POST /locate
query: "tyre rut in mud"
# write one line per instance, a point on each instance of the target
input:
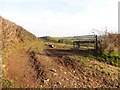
(39, 69)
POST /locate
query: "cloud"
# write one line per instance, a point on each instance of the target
(62, 17)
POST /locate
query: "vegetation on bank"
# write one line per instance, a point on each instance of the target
(110, 58)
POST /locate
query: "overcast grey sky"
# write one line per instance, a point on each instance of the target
(61, 17)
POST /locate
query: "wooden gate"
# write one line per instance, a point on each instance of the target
(77, 44)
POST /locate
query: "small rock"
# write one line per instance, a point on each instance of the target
(65, 72)
(59, 83)
(75, 86)
(66, 79)
(41, 86)
(64, 86)
(46, 81)
(60, 69)
(53, 70)
(55, 74)
(73, 71)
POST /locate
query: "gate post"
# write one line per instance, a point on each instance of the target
(96, 44)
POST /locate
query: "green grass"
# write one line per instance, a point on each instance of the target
(61, 45)
(110, 58)
(68, 46)
(6, 83)
(37, 46)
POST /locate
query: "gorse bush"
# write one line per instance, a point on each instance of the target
(7, 83)
(109, 58)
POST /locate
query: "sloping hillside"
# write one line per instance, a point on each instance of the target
(14, 33)
(30, 63)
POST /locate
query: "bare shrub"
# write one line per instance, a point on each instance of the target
(109, 42)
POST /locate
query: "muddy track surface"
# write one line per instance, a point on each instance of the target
(55, 70)
(50, 73)
(38, 68)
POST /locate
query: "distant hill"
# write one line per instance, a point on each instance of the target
(45, 37)
(12, 32)
(69, 39)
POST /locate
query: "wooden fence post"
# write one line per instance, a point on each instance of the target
(96, 44)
